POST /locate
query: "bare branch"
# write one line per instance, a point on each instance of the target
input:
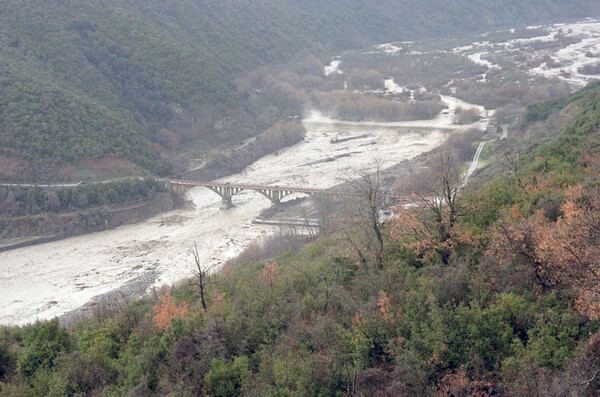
(513, 167)
(366, 215)
(587, 382)
(201, 275)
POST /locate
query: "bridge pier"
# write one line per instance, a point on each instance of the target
(178, 188)
(274, 195)
(226, 193)
(226, 203)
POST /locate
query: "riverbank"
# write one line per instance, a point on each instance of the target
(26, 231)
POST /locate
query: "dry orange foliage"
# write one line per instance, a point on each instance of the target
(270, 272)
(357, 320)
(459, 384)
(467, 238)
(166, 310)
(384, 305)
(415, 234)
(408, 228)
(562, 253)
(227, 269)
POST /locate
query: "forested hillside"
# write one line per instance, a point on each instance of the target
(114, 78)
(490, 292)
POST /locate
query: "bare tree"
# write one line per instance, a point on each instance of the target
(308, 224)
(329, 289)
(324, 208)
(366, 215)
(301, 224)
(437, 190)
(512, 165)
(202, 275)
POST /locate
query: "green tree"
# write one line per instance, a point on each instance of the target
(45, 342)
(225, 378)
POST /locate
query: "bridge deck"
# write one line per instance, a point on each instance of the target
(287, 189)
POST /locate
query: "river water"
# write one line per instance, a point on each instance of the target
(48, 280)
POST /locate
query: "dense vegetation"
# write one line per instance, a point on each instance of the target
(493, 293)
(34, 213)
(19, 201)
(277, 137)
(358, 108)
(118, 77)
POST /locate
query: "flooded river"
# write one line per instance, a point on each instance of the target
(47, 280)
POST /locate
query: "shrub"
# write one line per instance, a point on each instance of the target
(359, 108)
(467, 116)
(541, 111)
(362, 79)
(590, 69)
(166, 310)
(44, 344)
(7, 361)
(225, 378)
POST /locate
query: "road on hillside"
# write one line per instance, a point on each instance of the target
(63, 185)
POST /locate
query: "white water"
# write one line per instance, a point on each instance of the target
(47, 280)
(389, 48)
(333, 67)
(477, 58)
(568, 57)
(393, 87)
(474, 163)
(573, 56)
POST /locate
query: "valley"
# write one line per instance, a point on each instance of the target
(51, 279)
(255, 198)
(77, 269)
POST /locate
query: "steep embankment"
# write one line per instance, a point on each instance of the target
(90, 80)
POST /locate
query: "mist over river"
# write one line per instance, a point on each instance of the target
(47, 280)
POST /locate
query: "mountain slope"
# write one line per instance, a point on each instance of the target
(91, 79)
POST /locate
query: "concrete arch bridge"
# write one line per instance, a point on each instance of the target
(274, 193)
